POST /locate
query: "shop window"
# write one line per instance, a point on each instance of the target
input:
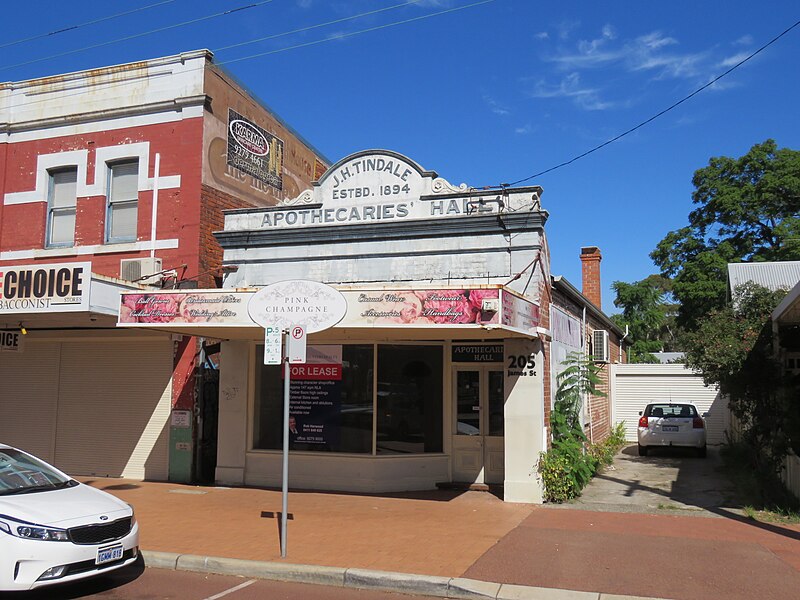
(409, 404)
(123, 201)
(330, 405)
(61, 204)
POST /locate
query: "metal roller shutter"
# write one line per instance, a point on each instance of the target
(637, 385)
(113, 412)
(29, 398)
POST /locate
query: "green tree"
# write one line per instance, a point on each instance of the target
(648, 315)
(732, 347)
(748, 209)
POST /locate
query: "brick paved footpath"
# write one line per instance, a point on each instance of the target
(476, 535)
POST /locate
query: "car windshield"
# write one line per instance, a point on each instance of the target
(687, 411)
(21, 473)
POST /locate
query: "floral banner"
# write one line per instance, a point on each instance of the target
(420, 307)
(196, 308)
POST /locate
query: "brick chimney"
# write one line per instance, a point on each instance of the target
(590, 267)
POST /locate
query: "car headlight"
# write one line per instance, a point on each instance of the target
(30, 531)
(133, 515)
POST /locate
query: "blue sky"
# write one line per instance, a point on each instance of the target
(486, 94)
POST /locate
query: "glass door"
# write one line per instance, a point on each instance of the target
(479, 425)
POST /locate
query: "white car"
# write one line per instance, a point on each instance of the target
(672, 424)
(54, 529)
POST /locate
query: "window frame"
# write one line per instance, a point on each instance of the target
(110, 203)
(53, 210)
(255, 362)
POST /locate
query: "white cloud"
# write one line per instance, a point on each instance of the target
(525, 129)
(495, 106)
(570, 86)
(565, 29)
(734, 60)
(542, 35)
(745, 40)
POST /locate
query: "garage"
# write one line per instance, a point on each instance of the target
(95, 405)
(635, 385)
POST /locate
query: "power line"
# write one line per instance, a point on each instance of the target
(654, 117)
(86, 24)
(138, 35)
(317, 26)
(354, 33)
(338, 37)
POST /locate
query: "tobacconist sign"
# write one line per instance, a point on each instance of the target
(253, 150)
(45, 288)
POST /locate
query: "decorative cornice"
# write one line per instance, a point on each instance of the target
(494, 224)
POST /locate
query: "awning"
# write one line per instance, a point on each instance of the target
(374, 312)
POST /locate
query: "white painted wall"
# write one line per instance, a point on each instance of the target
(524, 425)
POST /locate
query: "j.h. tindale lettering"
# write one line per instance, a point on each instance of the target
(366, 165)
(63, 282)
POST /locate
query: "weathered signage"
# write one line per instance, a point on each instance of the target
(519, 313)
(254, 150)
(45, 288)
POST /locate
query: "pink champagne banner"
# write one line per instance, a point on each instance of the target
(420, 307)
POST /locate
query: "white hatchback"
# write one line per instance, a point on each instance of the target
(671, 424)
(54, 529)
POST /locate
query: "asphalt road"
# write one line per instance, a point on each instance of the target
(136, 582)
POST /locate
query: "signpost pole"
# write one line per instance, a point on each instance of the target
(285, 488)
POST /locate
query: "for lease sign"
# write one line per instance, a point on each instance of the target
(45, 288)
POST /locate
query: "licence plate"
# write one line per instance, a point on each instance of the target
(669, 428)
(111, 554)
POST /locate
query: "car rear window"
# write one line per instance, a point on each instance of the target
(670, 410)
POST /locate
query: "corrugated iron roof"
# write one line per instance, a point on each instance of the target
(771, 275)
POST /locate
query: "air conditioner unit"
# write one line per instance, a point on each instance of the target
(600, 345)
(146, 271)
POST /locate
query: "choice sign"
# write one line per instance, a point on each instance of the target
(313, 305)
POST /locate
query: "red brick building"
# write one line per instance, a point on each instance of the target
(123, 171)
(578, 324)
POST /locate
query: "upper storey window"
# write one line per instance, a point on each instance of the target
(61, 202)
(123, 202)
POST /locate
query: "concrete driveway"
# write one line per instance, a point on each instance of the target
(668, 479)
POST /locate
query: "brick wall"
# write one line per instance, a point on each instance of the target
(212, 203)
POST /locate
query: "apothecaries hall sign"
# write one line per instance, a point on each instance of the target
(376, 186)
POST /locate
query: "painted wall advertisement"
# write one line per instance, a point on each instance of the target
(315, 399)
(254, 150)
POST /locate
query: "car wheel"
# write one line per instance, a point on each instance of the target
(642, 450)
(701, 452)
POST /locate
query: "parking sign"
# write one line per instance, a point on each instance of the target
(272, 346)
(297, 344)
